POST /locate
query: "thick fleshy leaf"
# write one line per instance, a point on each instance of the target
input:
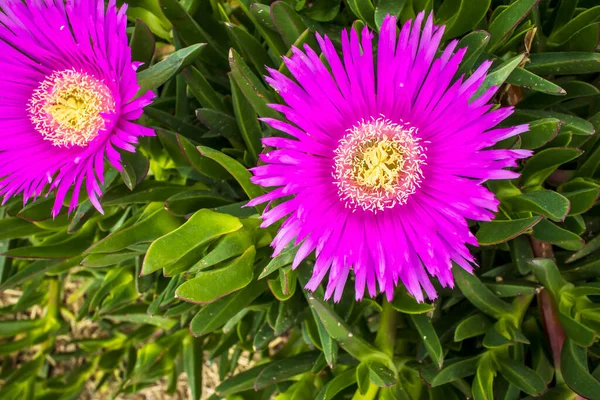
(472, 326)
(236, 170)
(214, 315)
(337, 384)
(500, 231)
(429, 337)
(209, 286)
(184, 242)
(475, 42)
(502, 26)
(564, 63)
(542, 164)
(575, 371)
(544, 202)
(339, 330)
(481, 297)
(282, 370)
(158, 74)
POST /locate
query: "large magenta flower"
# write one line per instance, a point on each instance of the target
(68, 88)
(384, 159)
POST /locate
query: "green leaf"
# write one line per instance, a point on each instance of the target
(223, 124)
(482, 297)
(590, 247)
(156, 223)
(570, 123)
(562, 35)
(191, 33)
(385, 7)
(574, 89)
(186, 203)
(483, 384)
(498, 75)
(230, 245)
(247, 122)
(164, 323)
(107, 259)
(576, 331)
(147, 191)
(14, 328)
(475, 42)
(584, 40)
(287, 22)
(64, 246)
(363, 378)
(253, 89)
(466, 18)
(502, 26)
(454, 369)
(544, 202)
(281, 260)
(356, 346)
(302, 389)
(158, 74)
(202, 228)
(475, 325)
(241, 174)
(337, 384)
(513, 288)
(500, 231)
(407, 304)
(575, 371)
(216, 314)
(381, 375)
(546, 231)
(135, 168)
(282, 370)
(142, 44)
(523, 78)
(202, 90)
(250, 47)
(203, 165)
(564, 63)
(429, 337)
(582, 200)
(260, 16)
(12, 228)
(192, 364)
(540, 132)
(539, 167)
(209, 286)
(364, 10)
(521, 376)
(241, 382)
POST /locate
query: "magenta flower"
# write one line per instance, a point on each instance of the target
(384, 160)
(68, 88)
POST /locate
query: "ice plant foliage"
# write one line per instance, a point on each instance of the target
(68, 97)
(383, 159)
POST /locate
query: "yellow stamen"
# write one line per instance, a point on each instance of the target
(67, 108)
(378, 165)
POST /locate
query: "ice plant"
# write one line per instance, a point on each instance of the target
(383, 159)
(68, 97)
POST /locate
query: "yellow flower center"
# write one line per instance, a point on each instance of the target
(67, 108)
(377, 165)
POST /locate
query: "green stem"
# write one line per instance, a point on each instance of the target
(370, 395)
(386, 335)
(52, 309)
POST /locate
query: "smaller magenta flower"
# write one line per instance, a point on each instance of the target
(383, 160)
(68, 101)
